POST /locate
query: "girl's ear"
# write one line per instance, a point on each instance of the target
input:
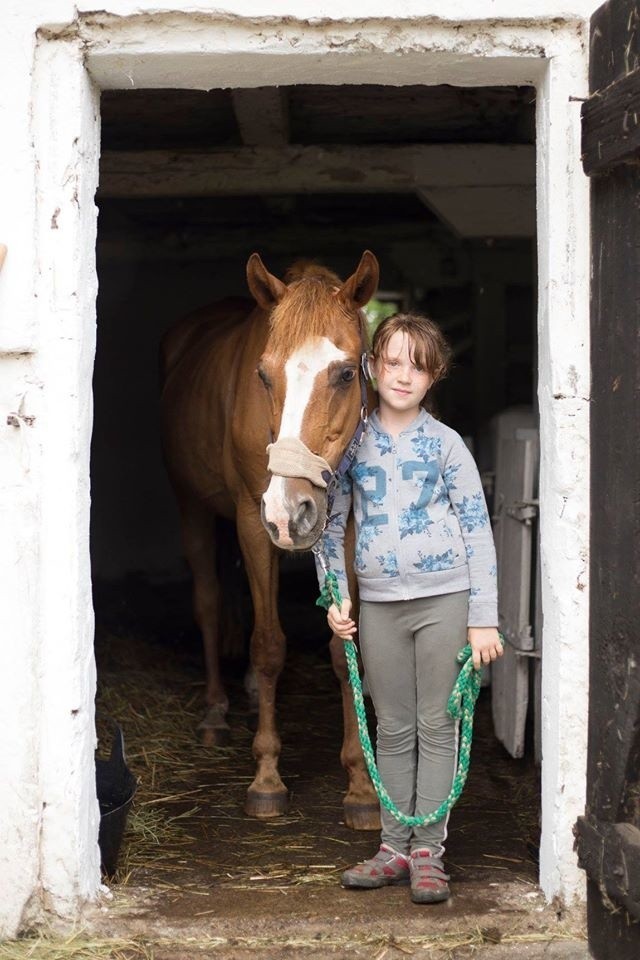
(373, 364)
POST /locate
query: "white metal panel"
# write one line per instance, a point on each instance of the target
(514, 510)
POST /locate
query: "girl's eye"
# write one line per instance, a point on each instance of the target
(347, 375)
(391, 363)
(418, 368)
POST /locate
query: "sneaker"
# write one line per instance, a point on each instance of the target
(386, 868)
(428, 879)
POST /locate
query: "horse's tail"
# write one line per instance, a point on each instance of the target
(302, 269)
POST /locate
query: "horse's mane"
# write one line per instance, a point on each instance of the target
(308, 307)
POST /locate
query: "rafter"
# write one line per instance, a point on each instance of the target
(262, 116)
(311, 169)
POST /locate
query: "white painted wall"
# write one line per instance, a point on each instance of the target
(48, 172)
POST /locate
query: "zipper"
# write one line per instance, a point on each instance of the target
(396, 523)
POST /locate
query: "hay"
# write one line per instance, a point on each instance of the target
(187, 828)
(188, 793)
(81, 947)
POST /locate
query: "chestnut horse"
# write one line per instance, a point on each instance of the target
(284, 374)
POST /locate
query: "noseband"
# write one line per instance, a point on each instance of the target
(290, 457)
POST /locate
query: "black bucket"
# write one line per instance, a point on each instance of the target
(116, 787)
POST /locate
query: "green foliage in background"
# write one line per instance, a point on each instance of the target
(376, 311)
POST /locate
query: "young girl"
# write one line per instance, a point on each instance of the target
(426, 568)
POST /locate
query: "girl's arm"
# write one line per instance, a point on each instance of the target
(332, 539)
(333, 546)
(463, 484)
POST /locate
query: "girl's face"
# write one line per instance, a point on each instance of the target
(402, 384)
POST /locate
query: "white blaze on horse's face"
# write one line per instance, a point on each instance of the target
(301, 370)
(285, 503)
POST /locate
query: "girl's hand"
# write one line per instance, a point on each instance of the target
(340, 621)
(485, 645)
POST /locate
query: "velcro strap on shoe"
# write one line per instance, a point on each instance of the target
(430, 871)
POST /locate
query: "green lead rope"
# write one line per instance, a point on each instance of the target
(460, 706)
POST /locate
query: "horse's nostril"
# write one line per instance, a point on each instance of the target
(271, 527)
(273, 530)
(305, 516)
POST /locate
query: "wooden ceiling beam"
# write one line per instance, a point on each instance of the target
(262, 115)
(311, 169)
(219, 241)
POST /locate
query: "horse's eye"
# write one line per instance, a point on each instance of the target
(264, 376)
(347, 375)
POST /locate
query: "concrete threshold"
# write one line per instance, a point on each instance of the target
(492, 921)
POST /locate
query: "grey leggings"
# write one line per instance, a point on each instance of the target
(409, 652)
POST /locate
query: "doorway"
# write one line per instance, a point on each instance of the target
(562, 207)
(160, 256)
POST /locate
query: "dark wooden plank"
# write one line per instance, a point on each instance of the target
(611, 124)
(612, 931)
(613, 767)
(615, 488)
(378, 113)
(610, 853)
(615, 42)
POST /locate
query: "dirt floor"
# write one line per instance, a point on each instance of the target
(197, 877)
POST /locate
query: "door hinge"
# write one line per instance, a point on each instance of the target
(524, 510)
(522, 643)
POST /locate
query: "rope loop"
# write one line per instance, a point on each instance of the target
(460, 706)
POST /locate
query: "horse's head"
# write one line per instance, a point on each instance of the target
(310, 372)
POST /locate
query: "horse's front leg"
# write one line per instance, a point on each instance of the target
(360, 803)
(267, 795)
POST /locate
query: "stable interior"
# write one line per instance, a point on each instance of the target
(459, 246)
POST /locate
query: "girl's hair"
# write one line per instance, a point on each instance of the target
(427, 345)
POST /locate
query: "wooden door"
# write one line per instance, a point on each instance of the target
(608, 836)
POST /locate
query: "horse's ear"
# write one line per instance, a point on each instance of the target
(362, 285)
(266, 289)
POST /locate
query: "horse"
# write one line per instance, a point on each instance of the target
(283, 374)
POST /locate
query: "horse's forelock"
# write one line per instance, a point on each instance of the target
(310, 308)
(311, 268)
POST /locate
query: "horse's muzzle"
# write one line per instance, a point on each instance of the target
(293, 512)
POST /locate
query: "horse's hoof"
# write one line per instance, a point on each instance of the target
(214, 736)
(361, 816)
(264, 806)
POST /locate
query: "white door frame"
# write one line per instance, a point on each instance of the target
(54, 863)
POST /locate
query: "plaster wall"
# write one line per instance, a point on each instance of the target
(48, 174)
(563, 393)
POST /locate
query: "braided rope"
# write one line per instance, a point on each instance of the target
(460, 706)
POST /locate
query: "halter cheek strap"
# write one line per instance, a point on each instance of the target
(349, 455)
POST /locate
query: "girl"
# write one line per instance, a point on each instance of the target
(426, 568)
